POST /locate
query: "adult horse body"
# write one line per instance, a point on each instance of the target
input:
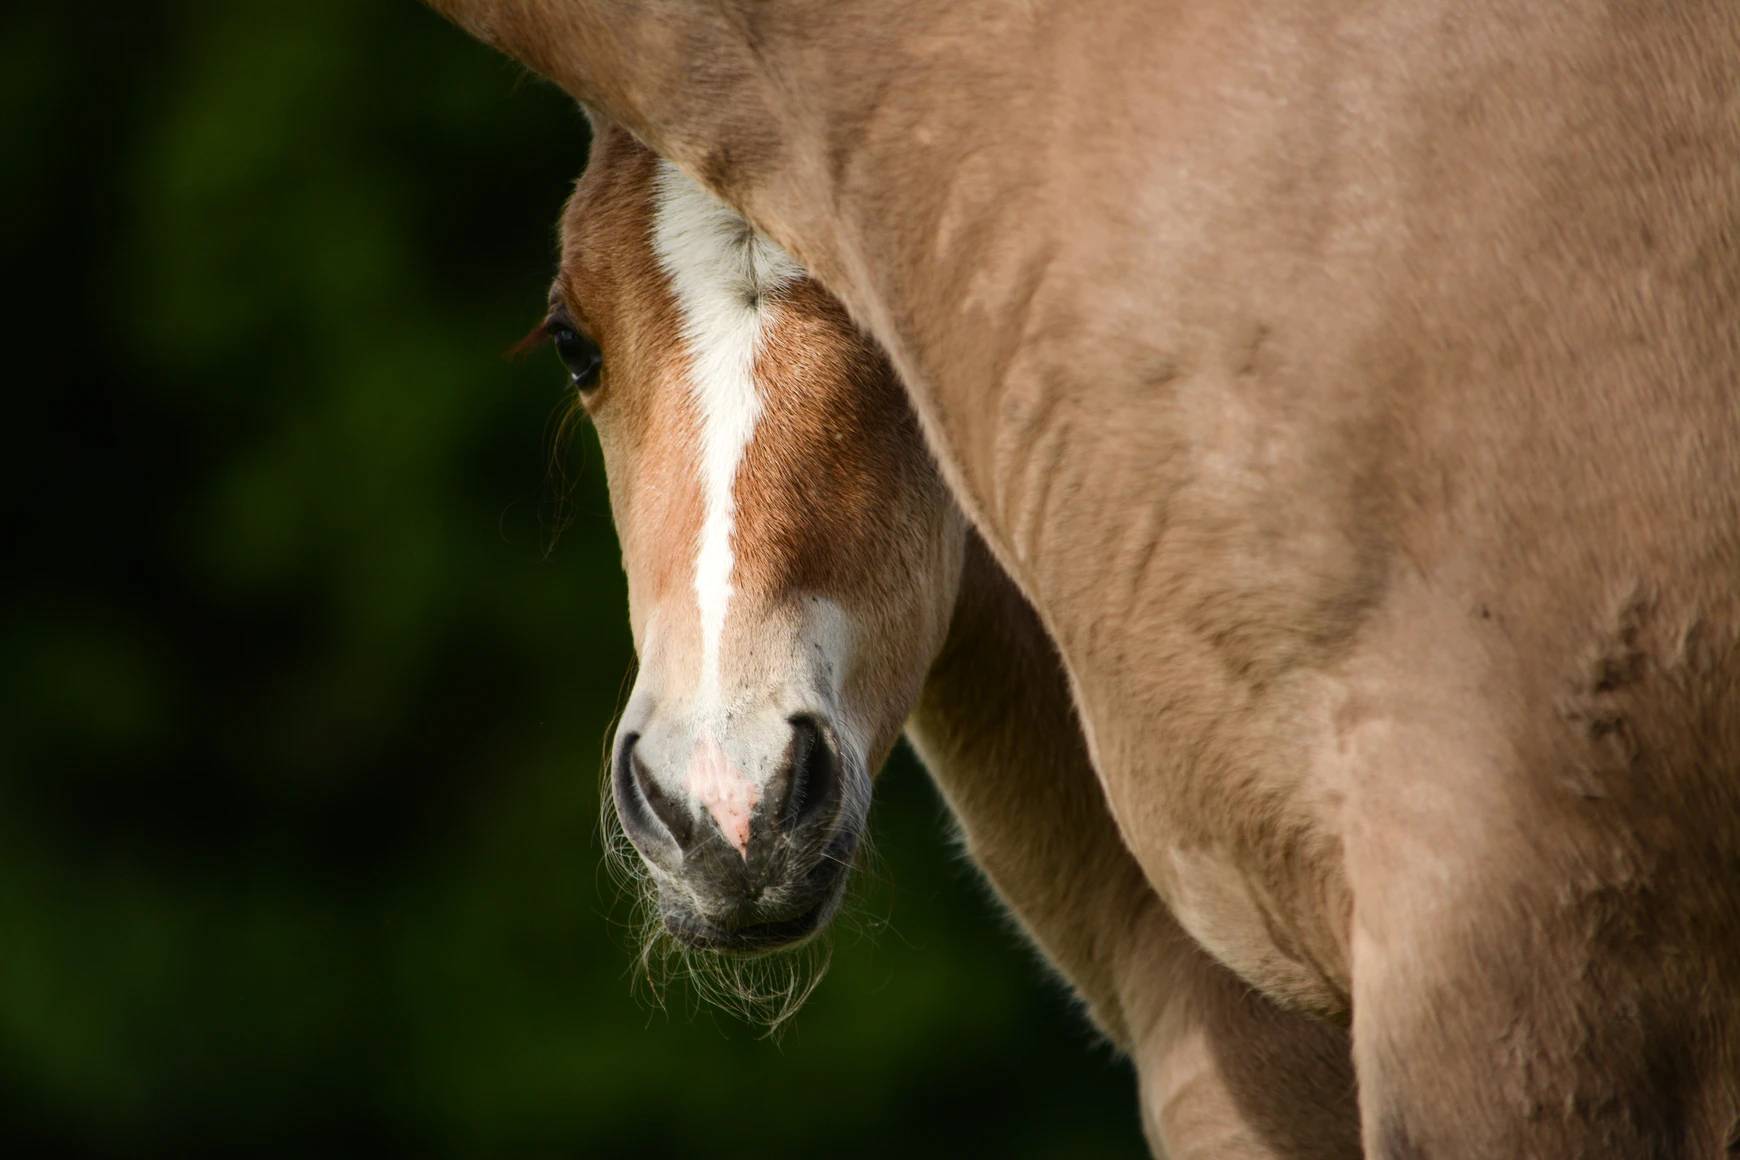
(835, 504)
(1352, 389)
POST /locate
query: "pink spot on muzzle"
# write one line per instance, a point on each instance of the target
(721, 787)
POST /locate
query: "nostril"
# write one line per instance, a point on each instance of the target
(675, 818)
(643, 806)
(813, 772)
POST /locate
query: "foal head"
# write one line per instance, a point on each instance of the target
(792, 555)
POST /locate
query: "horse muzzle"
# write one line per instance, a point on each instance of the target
(742, 865)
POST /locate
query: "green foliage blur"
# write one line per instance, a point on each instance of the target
(304, 702)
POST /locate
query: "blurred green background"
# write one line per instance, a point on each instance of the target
(303, 715)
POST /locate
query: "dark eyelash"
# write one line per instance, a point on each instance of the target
(538, 336)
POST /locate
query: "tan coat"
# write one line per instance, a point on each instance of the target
(1352, 390)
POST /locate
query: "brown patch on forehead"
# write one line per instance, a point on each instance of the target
(608, 275)
(611, 283)
(837, 479)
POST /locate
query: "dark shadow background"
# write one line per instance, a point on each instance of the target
(302, 720)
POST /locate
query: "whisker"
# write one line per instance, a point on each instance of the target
(765, 991)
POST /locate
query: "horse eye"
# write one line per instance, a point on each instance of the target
(580, 355)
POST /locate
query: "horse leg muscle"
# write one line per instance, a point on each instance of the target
(1225, 1072)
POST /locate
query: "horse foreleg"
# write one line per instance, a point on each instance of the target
(1223, 1071)
(1545, 987)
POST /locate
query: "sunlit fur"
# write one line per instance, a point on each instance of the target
(1351, 387)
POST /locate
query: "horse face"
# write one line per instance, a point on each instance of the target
(792, 555)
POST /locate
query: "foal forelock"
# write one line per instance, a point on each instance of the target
(724, 277)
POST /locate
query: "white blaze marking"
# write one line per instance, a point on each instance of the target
(721, 272)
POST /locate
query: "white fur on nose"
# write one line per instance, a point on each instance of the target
(720, 786)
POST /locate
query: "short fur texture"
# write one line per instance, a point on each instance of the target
(1352, 389)
(1223, 1071)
